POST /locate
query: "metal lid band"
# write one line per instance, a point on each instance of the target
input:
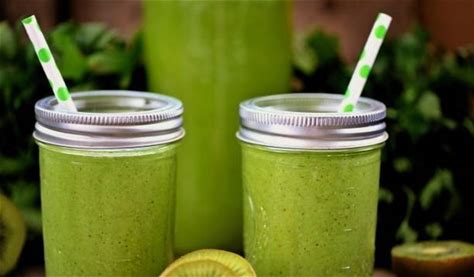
(311, 121)
(110, 119)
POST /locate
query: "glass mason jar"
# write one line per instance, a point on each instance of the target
(212, 55)
(108, 182)
(311, 178)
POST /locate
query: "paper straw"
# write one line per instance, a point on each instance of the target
(365, 63)
(49, 65)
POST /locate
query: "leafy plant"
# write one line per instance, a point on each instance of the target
(427, 167)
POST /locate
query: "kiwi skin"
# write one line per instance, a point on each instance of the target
(12, 234)
(410, 260)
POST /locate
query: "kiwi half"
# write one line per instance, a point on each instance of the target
(12, 234)
(210, 261)
(434, 258)
(203, 268)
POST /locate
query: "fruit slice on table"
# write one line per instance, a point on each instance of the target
(210, 262)
(200, 268)
(12, 234)
(434, 258)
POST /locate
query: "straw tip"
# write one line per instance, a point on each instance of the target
(384, 16)
(28, 20)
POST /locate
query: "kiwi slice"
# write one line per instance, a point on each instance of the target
(12, 234)
(434, 258)
(202, 268)
(237, 265)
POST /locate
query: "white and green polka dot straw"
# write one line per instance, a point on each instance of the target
(49, 65)
(365, 63)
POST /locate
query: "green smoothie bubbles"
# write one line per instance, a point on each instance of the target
(310, 177)
(108, 182)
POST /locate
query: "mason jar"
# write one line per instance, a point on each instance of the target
(108, 182)
(311, 178)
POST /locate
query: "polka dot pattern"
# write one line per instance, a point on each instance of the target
(380, 31)
(27, 20)
(63, 94)
(348, 108)
(47, 62)
(365, 63)
(44, 55)
(364, 71)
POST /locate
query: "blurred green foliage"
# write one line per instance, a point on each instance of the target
(89, 57)
(428, 162)
(427, 168)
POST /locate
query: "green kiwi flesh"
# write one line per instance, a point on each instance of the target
(434, 258)
(237, 264)
(201, 268)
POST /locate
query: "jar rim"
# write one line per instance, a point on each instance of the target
(311, 121)
(109, 119)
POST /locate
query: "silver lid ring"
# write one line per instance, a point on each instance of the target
(110, 119)
(311, 121)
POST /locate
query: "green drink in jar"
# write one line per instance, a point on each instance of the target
(311, 178)
(108, 182)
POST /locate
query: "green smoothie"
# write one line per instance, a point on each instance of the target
(310, 213)
(108, 186)
(107, 213)
(311, 178)
(212, 55)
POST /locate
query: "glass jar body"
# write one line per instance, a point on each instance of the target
(107, 212)
(310, 212)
